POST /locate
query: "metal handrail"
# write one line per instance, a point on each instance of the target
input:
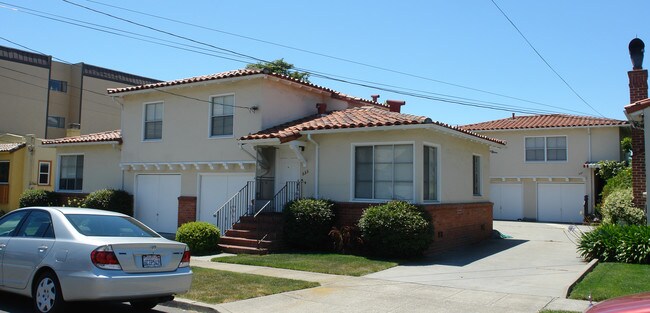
(291, 190)
(241, 204)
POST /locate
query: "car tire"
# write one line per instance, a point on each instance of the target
(47, 294)
(144, 305)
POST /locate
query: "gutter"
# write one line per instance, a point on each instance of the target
(316, 165)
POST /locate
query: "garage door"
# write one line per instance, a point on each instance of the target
(156, 201)
(560, 202)
(216, 189)
(508, 201)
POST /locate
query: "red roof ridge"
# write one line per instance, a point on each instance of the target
(11, 147)
(543, 121)
(105, 136)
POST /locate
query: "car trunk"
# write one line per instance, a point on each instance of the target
(149, 257)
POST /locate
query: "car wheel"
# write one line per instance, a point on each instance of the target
(47, 295)
(144, 305)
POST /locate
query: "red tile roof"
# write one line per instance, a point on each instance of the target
(362, 117)
(107, 136)
(543, 121)
(11, 147)
(637, 106)
(239, 73)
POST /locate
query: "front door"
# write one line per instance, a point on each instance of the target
(288, 169)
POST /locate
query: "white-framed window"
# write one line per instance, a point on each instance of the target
(430, 168)
(222, 115)
(542, 149)
(153, 121)
(71, 170)
(4, 172)
(476, 173)
(44, 173)
(383, 172)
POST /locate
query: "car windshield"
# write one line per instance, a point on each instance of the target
(109, 226)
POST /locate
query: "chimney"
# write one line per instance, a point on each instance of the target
(374, 98)
(322, 107)
(513, 115)
(638, 76)
(395, 105)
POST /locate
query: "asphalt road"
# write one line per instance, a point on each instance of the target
(10, 303)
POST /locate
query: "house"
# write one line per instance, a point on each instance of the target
(24, 164)
(547, 172)
(217, 147)
(636, 111)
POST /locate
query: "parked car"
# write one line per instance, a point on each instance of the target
(55, 255)
(636, 303)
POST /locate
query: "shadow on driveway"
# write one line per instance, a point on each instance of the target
(468, 254)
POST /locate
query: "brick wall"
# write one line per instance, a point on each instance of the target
(638, 91)
(186, 209)
(455, 224)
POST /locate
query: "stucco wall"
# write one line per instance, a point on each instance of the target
(99, 112)
(16, 164)
(23, 99)
(101, 166)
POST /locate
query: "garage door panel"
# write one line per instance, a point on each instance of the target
(508, 201)
(560, 202)
(157, 201)
(215, 190)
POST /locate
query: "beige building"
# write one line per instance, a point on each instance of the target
(50, 99)
(547, 171)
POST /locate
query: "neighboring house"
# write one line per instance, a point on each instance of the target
(50, 99)
(548, 168)
(636, 112)
(24, 164)
(213, 148)
(87, 162)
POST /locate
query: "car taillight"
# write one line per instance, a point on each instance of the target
(185, 261)
(104, 258)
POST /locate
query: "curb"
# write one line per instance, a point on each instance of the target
(186, 304)
(590, 267)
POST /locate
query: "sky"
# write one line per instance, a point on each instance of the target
(448, 60)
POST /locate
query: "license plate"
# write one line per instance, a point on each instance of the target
(151, 261)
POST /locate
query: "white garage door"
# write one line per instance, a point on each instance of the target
(508, 201)
(560, 202)
(216, 189)
(156, 201)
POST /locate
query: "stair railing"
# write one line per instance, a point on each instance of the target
(291, 190)
(241, 204)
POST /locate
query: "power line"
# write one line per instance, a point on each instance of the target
(543, 59)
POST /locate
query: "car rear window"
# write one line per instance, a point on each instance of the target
(109, 226)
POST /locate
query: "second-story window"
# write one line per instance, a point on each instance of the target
(541, 149)
(222, 115)
(59, 85)
(153, 121)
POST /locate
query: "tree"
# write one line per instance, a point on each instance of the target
(280, 66)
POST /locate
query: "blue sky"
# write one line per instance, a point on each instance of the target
(439, 45)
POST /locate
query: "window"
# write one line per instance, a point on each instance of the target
(430, 168)
(221, 115)
(59, 85)
(383, 172)
(4, 172)
(71, 172)
(476, 170)
(10, 222)
(153, 121)
(44, 173)
(56, 121)
(37, 225)
(541, 149)
(108, 226)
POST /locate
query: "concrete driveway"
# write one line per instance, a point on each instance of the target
(539, 260)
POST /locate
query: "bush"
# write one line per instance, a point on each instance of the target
(110, 200)
(37, 197)
(307, 223)
(396, 228)
(201, 237)
(74, 202)
(619, 209)
(616, 243)
(622, 180)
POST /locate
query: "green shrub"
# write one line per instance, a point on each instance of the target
(307, 223)
(110, 200)
(396, 228)
(617, 243)
(74, 202)
(37, 197)
(619, 209)
(201, 237)
(621, 180)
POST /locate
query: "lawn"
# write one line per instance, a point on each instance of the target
(328, 263)
(213, 286)
(610, 280)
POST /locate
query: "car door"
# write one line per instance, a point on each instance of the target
(27, 248)
(8, 226)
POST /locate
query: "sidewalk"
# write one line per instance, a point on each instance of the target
(361, 294)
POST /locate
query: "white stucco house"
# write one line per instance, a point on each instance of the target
(548, 168)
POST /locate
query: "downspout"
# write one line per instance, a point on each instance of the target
(316, 165)
(592, 173)
(121, 131)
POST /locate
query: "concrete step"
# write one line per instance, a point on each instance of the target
(245, 242)
(252, 234)
(242, 250)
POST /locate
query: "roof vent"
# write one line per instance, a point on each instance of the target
(374, 98)
(322, 108)
(395, 105)
(637, 48)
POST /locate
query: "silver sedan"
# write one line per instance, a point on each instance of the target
(56, 255)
